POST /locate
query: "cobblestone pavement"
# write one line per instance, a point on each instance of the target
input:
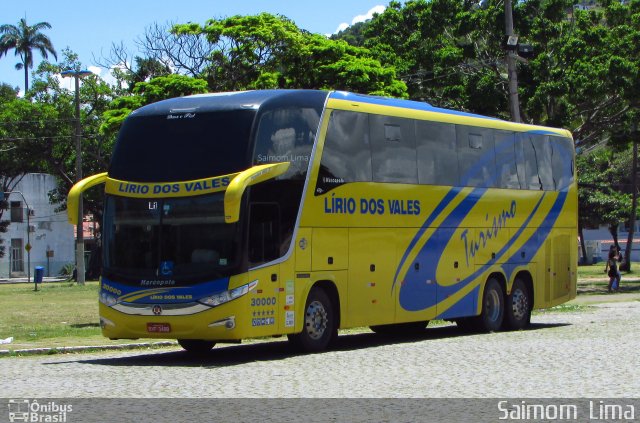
(592, 353)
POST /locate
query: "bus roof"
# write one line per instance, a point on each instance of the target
(394, 102)
(254, 100)
(416, 109)
(238, 100)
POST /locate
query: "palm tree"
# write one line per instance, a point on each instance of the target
(24, 39)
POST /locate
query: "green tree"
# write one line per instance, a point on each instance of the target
(24, 39)
(320, 63)
(269, 51)
(448, 52)
(37, 131)
(603, 198)
(144, 93)
(25, 129)
(352, 34)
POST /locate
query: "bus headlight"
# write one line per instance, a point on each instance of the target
(226, 296)
(108, 300)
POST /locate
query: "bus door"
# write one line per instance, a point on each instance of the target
(266, 245)
(558, 260)
(419, 279)
(457, 265)
(372, 263)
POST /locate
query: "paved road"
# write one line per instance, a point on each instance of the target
(586, 354)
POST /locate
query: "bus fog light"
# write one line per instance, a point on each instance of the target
(229, 323)
(106, 322)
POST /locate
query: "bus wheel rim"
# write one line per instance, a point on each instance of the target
(493, 305)
(316, 320)
(519, 304)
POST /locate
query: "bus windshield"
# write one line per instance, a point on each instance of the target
(180, 239)
(156, 148)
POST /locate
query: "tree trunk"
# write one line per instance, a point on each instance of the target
(626, 266)
(585, 259)
(613, 230)
(26, 78)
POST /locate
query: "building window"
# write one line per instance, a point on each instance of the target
(16, 212)
(17, 258)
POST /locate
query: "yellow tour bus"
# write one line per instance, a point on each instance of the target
(298, 212)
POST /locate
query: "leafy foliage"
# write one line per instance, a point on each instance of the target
(270, 51)
(24, 39)
(603, 177)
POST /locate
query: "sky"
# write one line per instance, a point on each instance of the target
(89, 28)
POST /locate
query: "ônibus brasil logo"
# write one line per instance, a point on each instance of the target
(23, 410)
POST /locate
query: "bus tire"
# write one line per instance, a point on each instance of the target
(196, 346)
(410, 328)
(320, 323)
(518, 307)
(492, 314)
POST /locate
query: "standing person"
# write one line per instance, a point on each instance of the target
(611, 269)
(618, 256)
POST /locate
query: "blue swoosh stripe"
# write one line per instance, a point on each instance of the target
(412, 293)
(434, 214)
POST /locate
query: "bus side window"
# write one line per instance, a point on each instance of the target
(346, 156)
(533, 181)
(562, 161)
(393, 149)
(476, 156)
(436, 151)
(264, 232)
(520, 161)
(545, 169)
(506, 160)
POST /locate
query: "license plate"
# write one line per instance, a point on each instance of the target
(158, 327)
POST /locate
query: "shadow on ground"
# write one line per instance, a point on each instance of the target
(601, 288)
(264, 351)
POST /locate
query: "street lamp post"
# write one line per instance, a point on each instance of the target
(77, 75)
(512, 45)
(28, 246)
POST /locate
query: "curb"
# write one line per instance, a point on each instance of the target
(87, 348)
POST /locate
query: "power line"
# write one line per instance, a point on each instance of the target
(87, 136)
(454, 70)
(34, 138)
(13, 122)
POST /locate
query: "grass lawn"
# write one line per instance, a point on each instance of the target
(596, 271)
(593, 280)
(58, 314)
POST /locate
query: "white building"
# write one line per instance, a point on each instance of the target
(37, 224)
(598, 241)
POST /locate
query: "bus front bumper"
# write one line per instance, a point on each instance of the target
(216, 324)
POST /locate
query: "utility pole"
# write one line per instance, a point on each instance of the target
(626, 265)
(80, 271)
(512, 46)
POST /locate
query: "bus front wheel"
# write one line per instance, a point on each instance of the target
(320, 325)
(518, 307)
(196, 346)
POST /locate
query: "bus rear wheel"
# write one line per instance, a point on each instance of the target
(320, 323)
(518, 307)
(410, 328)
(492, 314)
(196, 346)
